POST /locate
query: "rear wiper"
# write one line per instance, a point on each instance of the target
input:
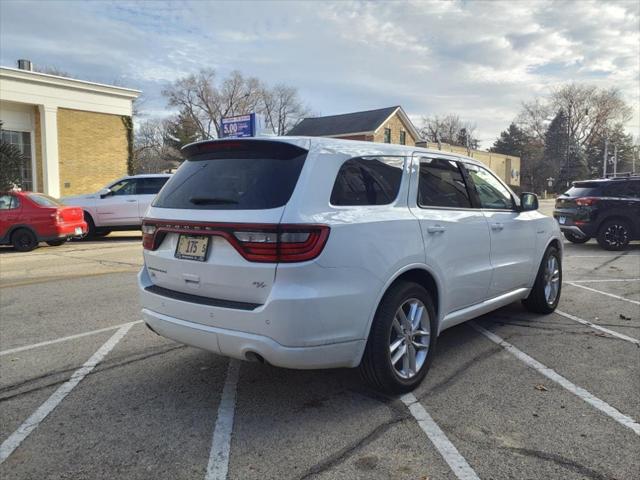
(212, 201)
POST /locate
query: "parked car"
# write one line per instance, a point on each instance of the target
(319, 253)
(27, 218)
(120, 205)
(607, 209)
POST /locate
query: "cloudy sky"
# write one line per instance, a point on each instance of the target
(478, 59)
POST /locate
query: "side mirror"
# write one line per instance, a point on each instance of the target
(105, 192)
(528, 202)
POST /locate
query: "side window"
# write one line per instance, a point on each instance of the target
(403, 137)
(441, 184)
(150, 185)
(491, 192)
(622, 189)
(8, 202)
(124, 187)
(368, 181)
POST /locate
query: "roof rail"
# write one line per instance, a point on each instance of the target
(622, 175)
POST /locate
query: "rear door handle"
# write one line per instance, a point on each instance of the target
(497, 226)
(132, 200)
(436, 229)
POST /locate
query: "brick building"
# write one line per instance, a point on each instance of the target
(75, 135)
(384, 125)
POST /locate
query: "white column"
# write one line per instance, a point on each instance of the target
(49, 129)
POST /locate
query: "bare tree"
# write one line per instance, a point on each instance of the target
(449, 129)
(590, 111)
(206, 103)
(282, 108)
(152, 153)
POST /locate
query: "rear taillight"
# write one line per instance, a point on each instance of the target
(57, 216)
(265, 243)
(586, 201)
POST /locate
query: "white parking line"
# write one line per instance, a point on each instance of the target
(562, 381)
(218, 465)
(447, 450)
(605, 280)
(31, 423)
(64, 339)
(598, 327)
(604, 293)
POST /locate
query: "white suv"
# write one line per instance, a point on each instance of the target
(121, 205)
(316, 253)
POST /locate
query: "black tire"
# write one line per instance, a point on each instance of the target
(91, 227)
(376, 366)
(57, 243)
(614, 234)
(537, 300)
(24, 240)
(573, 238)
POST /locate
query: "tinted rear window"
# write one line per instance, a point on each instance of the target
(368, 181)
(441, 184)
(44, 200)
(234, 175)
(580, 191)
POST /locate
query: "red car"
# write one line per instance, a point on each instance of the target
(27, 218)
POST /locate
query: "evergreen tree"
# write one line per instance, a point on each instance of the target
(511, 141)
(556, 150)
(180, 131)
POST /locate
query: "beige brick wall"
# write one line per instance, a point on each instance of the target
(92, 150)
(396, 125)
(37, 140)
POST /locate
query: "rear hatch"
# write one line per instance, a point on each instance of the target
(210, 232)
(567, 201)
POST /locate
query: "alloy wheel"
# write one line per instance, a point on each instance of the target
(551, 280)
(409, 338)
(616, 235)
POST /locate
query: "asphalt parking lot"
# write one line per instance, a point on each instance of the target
(87, 392)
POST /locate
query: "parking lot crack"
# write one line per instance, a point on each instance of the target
(342, 455)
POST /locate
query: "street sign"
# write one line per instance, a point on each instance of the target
(239, 126)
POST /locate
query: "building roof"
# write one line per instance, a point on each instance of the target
(350, 123)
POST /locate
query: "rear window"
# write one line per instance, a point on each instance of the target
(44, 200)
(583, 191)
(234, 175)
(441, 184)
(368, 181)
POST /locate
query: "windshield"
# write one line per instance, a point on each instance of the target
(247, 175)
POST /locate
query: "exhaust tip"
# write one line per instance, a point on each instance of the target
(254, 357)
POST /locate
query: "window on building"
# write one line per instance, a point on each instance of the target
(441, 184)
(387, 135)
(491, 192)
(22, 140)
(368, 181)
(403, 137)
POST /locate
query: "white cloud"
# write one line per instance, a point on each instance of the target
(477, 59)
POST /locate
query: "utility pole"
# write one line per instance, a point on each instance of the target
(606, 154)
(615, 160)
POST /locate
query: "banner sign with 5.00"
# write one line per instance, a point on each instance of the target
(240, 126)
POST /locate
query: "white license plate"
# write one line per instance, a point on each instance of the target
(78, 231)
(192, 247)
(562, 220)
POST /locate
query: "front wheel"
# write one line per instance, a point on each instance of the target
(545, 294)
(614, 235)
(402, 340)
(573, 238)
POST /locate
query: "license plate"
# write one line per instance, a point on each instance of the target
(192, 247)
(78, 231)
(562, 220)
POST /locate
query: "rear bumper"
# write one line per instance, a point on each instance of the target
(323, 324)
(67, 230)
(242, 345)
